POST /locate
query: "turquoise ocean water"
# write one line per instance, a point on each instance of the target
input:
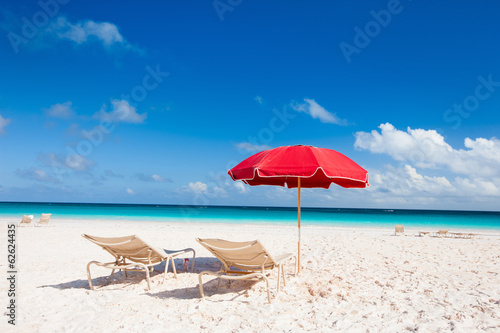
(265, 215)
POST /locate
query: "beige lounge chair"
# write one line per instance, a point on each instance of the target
(44, 220)
(250, 259)
(25, 221)
(442, 233)
(133, 254)
(399, 228)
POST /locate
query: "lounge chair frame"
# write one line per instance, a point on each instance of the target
(441, 233)
(447, 234)
(25, 221)
(44, 220)
(133, 254)
(399, 228)
(465, 235)
(251, 258)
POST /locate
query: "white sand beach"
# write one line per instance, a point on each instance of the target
(352, 280)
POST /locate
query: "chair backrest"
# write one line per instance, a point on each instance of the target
(26, 219)
(129, 247)
(44, 219)
(250, 255)
(400, 228)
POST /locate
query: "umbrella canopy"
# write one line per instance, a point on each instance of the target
(300, 166)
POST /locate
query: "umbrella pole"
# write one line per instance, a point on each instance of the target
(298, 214)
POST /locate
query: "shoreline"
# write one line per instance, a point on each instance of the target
(409, 229)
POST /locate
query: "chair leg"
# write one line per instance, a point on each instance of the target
(218, 285)
(222, 268)
(202, 295)
(111, 276)
(192, 264)
(263, 276)
(88, 275)
(267, 287)
(230, 278)
(173, 267)
(283, 275)
(166, 270)
(148, 278)
(147, 275)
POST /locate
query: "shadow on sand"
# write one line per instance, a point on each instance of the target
(122, 282)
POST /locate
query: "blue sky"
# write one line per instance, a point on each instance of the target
(152, 102)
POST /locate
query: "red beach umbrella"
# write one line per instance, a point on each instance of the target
(300, 166)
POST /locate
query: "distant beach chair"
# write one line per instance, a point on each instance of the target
(442, 233)
(133, 254)
(250, 259)
(399, 229)
(465, 235)
(44, 220)
(423, 233)
(25, 221)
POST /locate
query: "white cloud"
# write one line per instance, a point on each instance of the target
(318, 112)
(3, 123)
(478, 187)
(122, 112)
(158, 178)
(217, 192)
(152, 178)
(259, 99)
(88, 30)
(406, 181)
(241, 187)
(211, 190)
(38, 175)
(428, 149)
(250, 148)
(78, 162)
(130, 191)
(61, 110)
(469, 177)
(60, 161)
(198, 187)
